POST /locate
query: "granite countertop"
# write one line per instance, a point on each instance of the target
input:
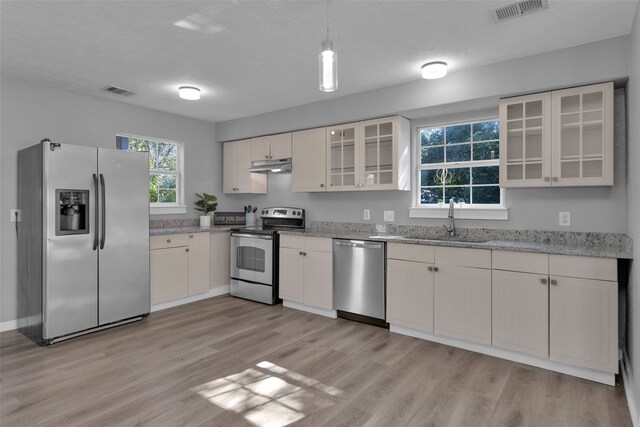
(159, 231)
(582, 244)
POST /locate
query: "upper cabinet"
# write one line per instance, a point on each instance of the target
(308, 157)
(271, 147)
(559, 138)
(236, 177)
(369, 155)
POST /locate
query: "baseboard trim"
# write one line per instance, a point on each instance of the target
(221, 290)
(629, 389)
(309, 309)
(586, 373)
(9, 325)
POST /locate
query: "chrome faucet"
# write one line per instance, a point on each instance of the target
(452, 225)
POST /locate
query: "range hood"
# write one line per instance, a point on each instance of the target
(272, 165)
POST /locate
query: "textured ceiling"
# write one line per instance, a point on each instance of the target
(251, 57)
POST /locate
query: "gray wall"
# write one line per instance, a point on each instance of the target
(461, 96)
(633, 208)
(30, 113)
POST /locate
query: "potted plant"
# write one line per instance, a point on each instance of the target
(206, 203)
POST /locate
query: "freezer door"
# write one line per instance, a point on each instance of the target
(124, 235)
(70, 294)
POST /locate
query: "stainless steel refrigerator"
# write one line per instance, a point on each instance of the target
(83, 239)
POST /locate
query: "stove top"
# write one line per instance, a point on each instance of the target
(276, 219)
(262, 230)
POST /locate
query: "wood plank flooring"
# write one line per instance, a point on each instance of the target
(230, 362)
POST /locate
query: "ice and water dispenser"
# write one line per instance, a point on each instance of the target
(72, 216)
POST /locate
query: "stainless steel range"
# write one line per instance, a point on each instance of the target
(254, 254)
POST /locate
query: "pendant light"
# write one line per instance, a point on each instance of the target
(328, 60)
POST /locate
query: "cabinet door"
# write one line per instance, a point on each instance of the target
(219, 246)
(291, 275)
(521, 312)
(462, 301)
(410, 294)
(308, 156)
(377, 153)
(525, 141)
(198, 263)
(583, 322)
(228, 168)
(247, 182)
(583, 135)
(169, 274)
(259, 148)
(280, 146)
(342, 157)
(318, 279)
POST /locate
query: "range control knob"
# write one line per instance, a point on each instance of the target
(263, 212)
(299, 213)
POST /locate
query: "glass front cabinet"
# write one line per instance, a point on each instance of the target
(559, 138)
(369, 155)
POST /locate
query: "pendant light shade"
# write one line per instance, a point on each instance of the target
(328, 67)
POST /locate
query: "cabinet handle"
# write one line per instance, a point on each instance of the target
(186, 250)
(547, 179)
(429, 268)
(554, 282)
(555, 179)
(543, 281)
(266, 156)
(168, 240)
(435, 269)
(321, 185)
(191, 236)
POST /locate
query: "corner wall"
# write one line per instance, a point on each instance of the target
(32, 112)
(633, 222)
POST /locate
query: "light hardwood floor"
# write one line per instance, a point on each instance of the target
(230, 362)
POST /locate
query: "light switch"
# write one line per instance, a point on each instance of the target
(389, 216)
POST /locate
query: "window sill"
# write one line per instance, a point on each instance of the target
(167, 210)
(490, 213)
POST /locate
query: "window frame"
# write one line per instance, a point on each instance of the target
(463, 211)
(159, 208)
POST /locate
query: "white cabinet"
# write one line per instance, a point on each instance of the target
(369, 155)
(308, 157)
(236, 177)
(271, 147)
(306, 271)
(219, 246)
(583, 312)
(410, 286)
(559, 138)
(179, 266)
(520, 293)
(462, 294)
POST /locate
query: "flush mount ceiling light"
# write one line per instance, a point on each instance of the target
(328, 62)
(434, 70)
(189, 92)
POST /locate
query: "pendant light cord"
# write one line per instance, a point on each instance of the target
(327, 19)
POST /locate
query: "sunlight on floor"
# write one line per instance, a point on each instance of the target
(269, 395)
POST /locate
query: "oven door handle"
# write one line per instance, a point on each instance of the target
(252, 236)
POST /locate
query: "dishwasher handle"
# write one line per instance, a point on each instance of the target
(358, 244)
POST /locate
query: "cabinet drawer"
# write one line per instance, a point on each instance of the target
(407, 252)
(584, 267)
(479, 258)
(320, 244)
(168, 241)
(295, 242)
(521, 261)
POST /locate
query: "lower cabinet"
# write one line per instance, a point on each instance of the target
(179, 266)
(306, 271)
(410, 294)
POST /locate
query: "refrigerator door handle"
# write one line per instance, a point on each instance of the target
(95, 234)
(104, 212)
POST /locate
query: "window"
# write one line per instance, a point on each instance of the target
(460, 162)
(165, 171)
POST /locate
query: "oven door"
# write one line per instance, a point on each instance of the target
(252, 257)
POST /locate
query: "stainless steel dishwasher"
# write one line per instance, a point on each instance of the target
(359, 280)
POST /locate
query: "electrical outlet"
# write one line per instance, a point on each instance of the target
(367, 214)
(16, 215)
(389, 216)
(565, 219)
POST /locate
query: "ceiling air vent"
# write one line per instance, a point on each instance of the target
(519, 9)
(119, 91)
